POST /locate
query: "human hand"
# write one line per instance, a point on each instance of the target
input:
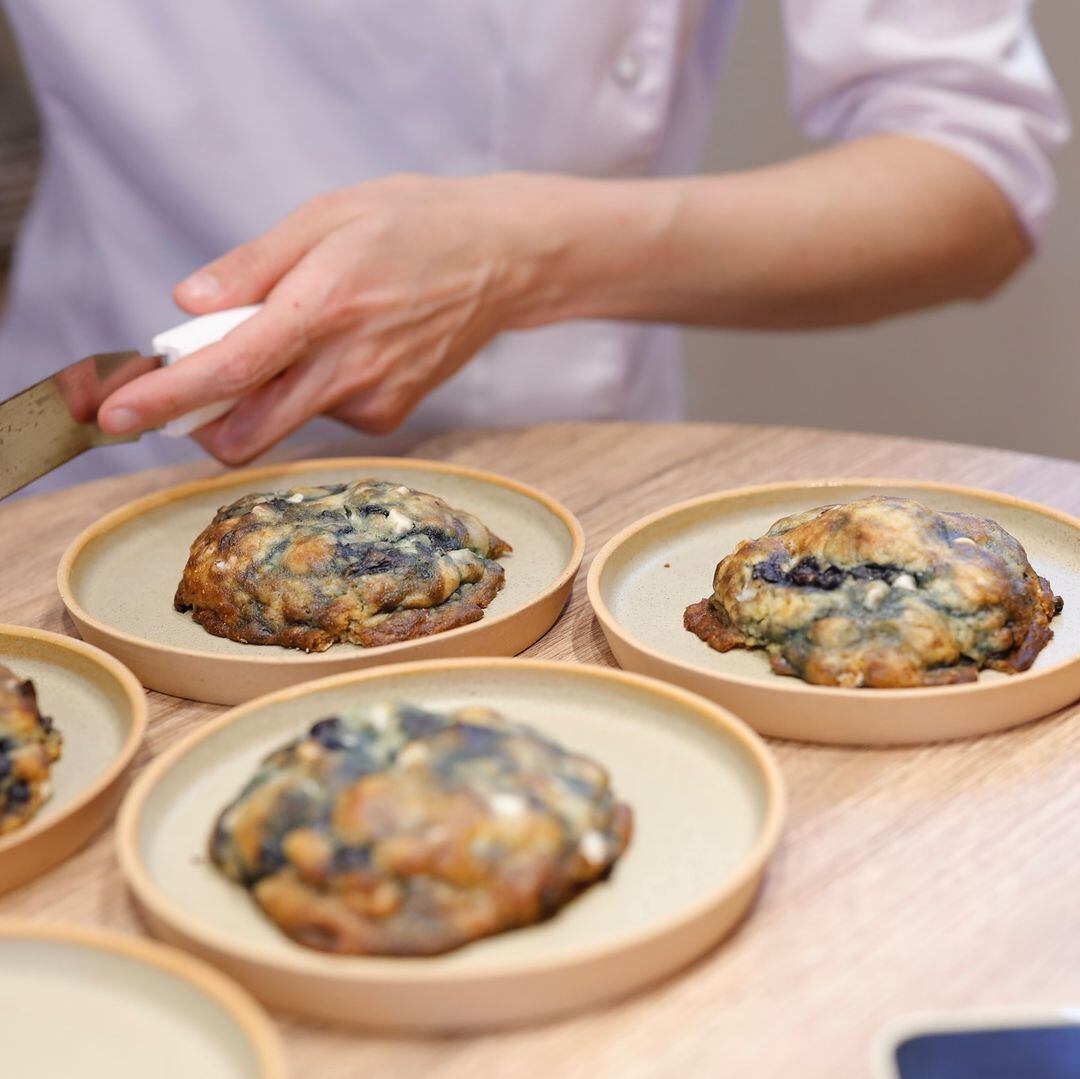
(374, 295)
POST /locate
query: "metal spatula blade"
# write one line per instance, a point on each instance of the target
(54, 420)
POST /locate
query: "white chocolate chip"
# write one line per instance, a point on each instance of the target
(414, 753)
(508, 805)
(906, 582)
(398, 522)
(593, 848)
(967, 541)
(875, 592)
(298, 497)
(379, 715)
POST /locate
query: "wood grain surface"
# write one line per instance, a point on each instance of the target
(907, 879)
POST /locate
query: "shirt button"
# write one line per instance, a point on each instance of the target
(628, 69)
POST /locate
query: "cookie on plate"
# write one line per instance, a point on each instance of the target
(368, 562)
(400, 831)
(29, 746)
(880, 592)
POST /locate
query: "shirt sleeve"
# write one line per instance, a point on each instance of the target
(966, 74)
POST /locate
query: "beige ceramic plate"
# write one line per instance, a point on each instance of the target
(706, 796)
(118, 578)
(79, 1002)
(100, 710)
(644, 578)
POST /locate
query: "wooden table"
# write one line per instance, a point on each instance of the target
(907, 879)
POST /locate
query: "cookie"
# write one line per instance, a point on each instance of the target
(368, 563)
(880, 592)
(401, 831)
(29, 746)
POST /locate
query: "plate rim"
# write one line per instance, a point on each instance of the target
(392, 969)
(611, 625)
(278, 654)
(241, 1007)
(136, 699)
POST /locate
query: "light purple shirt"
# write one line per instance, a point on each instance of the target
(176, 129)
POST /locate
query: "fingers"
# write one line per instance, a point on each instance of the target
(205, 436)
(269, 414)
(386, 405)
(310, 387)
(247, 273)
(242, 360)
(83, 388)
(407, 380)
(78, 386)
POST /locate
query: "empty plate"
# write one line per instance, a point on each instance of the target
(98, 1005)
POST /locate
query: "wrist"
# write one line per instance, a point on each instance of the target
(580, 248)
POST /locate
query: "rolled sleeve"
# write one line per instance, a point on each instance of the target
(966, 74)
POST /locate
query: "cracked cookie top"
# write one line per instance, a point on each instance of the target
(402, 831)
(368, 562)
(880, 592)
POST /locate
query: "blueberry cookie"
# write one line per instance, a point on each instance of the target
(29, 745)
(367, 562)
(880, 592)
(398, 831)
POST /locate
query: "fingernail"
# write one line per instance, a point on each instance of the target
(118, 421)
(201, 287)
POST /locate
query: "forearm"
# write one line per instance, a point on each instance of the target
(852, 234)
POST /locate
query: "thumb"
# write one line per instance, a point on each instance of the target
(247, 273)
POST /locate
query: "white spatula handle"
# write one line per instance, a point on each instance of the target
(187, 338)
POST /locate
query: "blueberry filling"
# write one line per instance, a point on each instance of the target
(474, 741)
(366, 559)
(417, 723)
(440, 539)
(809, 573)
(329, 733)
(350, 859)
(18, 793)
(270, 858)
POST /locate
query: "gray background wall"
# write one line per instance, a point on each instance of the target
(1005, 372)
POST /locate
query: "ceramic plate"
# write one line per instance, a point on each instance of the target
(644, 578)
(79, 1002)
(118, 579)
(100, 710)
(707, 801)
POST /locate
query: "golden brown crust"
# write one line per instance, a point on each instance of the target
(29, 745)
(366, 563)
(399, 831)
(880, 592)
